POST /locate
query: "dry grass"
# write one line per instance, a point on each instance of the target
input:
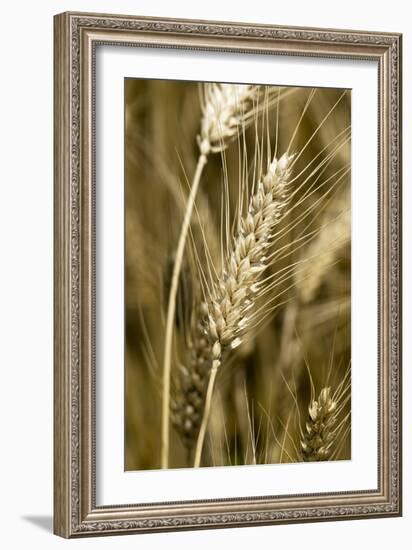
(261, 287)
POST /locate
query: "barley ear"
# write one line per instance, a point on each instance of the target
(325, 250)
(318, 438)
(228, 308)
(225, 108)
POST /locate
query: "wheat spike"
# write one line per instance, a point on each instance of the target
(233, 294)
(188, 405)
(319, 437)
(223, 318)
(225, 109)
(329, 246)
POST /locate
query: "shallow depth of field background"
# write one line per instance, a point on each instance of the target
(263, 392)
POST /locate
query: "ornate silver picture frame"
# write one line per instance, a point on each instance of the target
(77, 510)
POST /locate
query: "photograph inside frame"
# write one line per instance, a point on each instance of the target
(237, 274)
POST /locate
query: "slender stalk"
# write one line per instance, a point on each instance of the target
(171, 310)
(205, 419)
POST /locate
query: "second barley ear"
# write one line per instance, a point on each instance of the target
(319, 437)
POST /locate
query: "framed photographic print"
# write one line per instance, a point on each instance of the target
(227, 274)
